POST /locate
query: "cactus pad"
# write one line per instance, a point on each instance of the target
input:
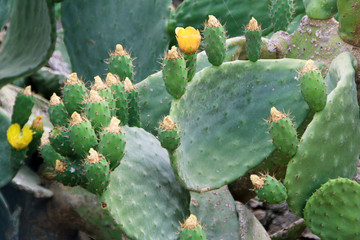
(331, 140)
(221, 119)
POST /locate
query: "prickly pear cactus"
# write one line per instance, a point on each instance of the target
(333, 212)
(269, 189)
(330, 141)
(222, 119)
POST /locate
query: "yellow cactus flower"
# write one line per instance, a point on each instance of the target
(19, 139)
(188, 39)
(38, 124)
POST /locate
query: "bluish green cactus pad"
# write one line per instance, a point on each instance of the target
(143, 195)
(221, 118)
(331, 141)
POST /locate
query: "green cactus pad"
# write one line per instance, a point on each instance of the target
(119, 96)
(281, 14)
(330, 141)
(320, 9)
(106, 93)
(190, 65)
(175, 74)
(29, 41)
(313, 89)
(214, 40)
(97, 111)
(121, 64)
(112, 144)
(49, 155)
(82, 137)
(141, 30)
(169, 139)
(283, 133)
(132, 96)
(253, 40)
(333, 211)
(217, 212)
(349, 19)
(57, 112)
(22, 108)
(269, 189)
(221, 118)
(143, 196)
(96, 171)
(74, 95)
(60, 141)
(71, 174)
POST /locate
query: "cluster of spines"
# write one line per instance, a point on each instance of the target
(313, 87)
(191, 229)
(215, 40)
(283, 132)
(269, 189)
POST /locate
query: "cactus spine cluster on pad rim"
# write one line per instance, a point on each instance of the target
(192, 229)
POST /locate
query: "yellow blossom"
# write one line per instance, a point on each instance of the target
(19, 139)
(188, 39)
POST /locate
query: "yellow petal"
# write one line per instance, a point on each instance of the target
(13, 134)
(17, 139)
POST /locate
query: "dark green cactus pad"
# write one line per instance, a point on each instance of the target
(82, 138)
(192, 234)
(49, 155)
(331, 140)
(284, 136)
(121, 66)
(155, 101)
(190, 65)
(121, 104)
(169, 139)
(74, 96)
(93, 28)
(98, 114)
(109, 98)
(215, 48)
(320, 9)
(112, 146)
(313, 89)
(29, 41)
(217, 213)
(58, 114)
(272, 191)
(281, 13)
(349, 19)
(132, 97)
(175, 76)
(22, 109)
(73, 175)
(97, 175)
(226, 106)
(333, 211)
(60, 141)
(143, 195)
(234, 13)
(253, 44)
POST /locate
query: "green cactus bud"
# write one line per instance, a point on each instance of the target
(82, 135)
(120, 63)
(57, 111)
(283, 132)
(313, 87)
(105, 92)
(132, 96)
(119, 95)
(24, 103)
(112, 143)
(96, 172)
(174, 73)
(37, 127)
(169, 135)
(269, 189)
(253, 40)
(68, 172)
(74, 94)
(97, 111)
(60, 141)
(214, 39)
(192, 230)
(281, 14)
(47, 152)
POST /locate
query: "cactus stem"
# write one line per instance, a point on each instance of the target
(55, 100)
